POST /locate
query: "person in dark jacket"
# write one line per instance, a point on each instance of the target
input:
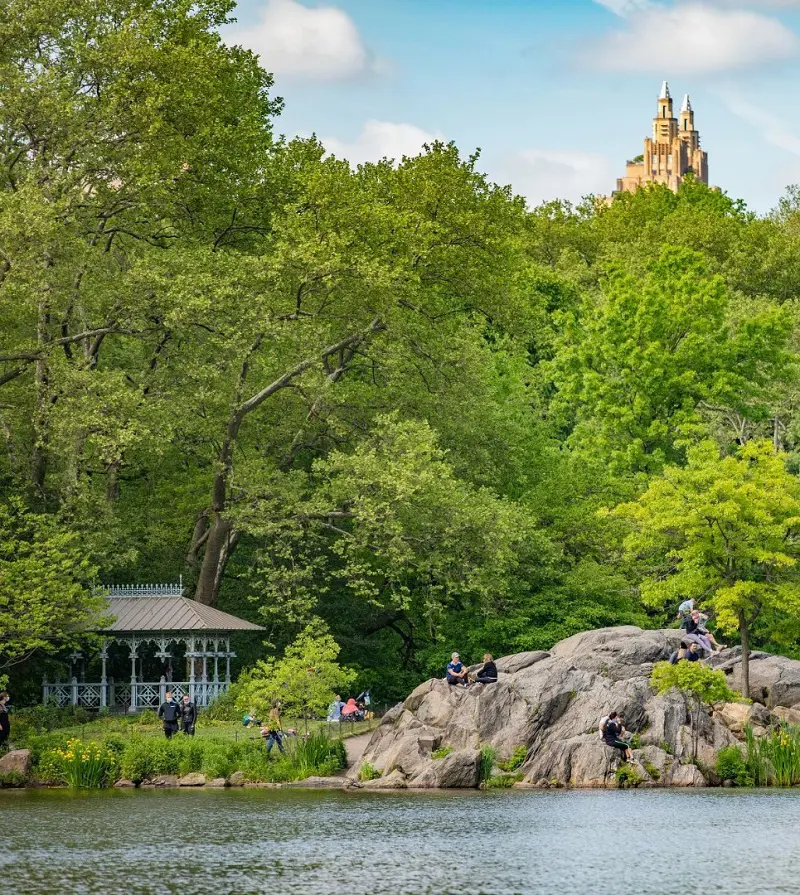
(170, 712)
(188, 715)
(612, 736)
(487, 674)
(684, 654)
(5, 721)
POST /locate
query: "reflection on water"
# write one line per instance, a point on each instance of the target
(321, 843)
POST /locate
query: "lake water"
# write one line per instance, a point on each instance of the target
(439, 843)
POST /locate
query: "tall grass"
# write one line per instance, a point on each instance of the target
(774, 758)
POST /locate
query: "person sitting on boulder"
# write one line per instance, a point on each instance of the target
(685, 611)
(612, 735)
(697, 633)
(487, 674)
(685, 654)
(457, 672)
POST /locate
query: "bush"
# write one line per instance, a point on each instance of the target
(86, 765)
(516, 760)
(501, 781)
(730, 765)
(12, 779)
(441, 752)
(223, 708)
(486, 763)
(368, 772)
(774, 758)
(627, 776)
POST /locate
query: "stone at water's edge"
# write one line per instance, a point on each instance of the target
(192, 780)
(17, 762)
(551, 703)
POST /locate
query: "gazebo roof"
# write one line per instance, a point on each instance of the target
(162, 607)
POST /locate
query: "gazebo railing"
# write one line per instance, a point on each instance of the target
(129, 696)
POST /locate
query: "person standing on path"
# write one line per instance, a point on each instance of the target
(170, 712)
(272, 730)
(188, 715)
(5, 721)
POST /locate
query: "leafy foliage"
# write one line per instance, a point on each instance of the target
(304, 681)
(702, 683)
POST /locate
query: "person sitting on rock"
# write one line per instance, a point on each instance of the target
(686, 654)
(685, 611)
(612, 736)
(457, 672)
(697, 633)
(487, 674)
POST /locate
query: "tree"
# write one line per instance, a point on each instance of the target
(636, 369)
(724, 530)
(47, 599)
(304, 681)
(702, 685)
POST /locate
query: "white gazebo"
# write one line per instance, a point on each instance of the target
(155, 623)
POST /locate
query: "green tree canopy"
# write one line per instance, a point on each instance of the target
(724, 530)
(47, 598)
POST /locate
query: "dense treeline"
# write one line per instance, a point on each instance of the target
(393, 398)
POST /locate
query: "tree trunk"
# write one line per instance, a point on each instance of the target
(743, 629)
(215, 556)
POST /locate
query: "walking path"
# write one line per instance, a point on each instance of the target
(355, 747)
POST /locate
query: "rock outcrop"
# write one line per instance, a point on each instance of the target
(551, 703)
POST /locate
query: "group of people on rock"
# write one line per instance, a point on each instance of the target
(458, 674)
(696, 635)
(355, 709)
(178, 715)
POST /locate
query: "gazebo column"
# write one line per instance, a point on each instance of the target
(163, 654)
(133, 645)
(228, 655)
(216, 662)
(190, 657)
(103, 677)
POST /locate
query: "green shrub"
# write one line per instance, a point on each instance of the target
(486, 763)
(516, 760)
(441, 752)
(636, 741)
(12, 779)
(368, 772)
(86, 765)
(730, 765)
(223, 708)
(774, 758)
(217, 761)
(501, 781)
(627, 776)
(651, 769)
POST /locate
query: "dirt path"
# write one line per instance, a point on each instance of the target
(355, 747)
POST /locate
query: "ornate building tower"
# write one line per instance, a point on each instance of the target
(671, 153)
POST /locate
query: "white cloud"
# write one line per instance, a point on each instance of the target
(693, 37)
(772, 128)
(319, 43)
(544, 174)
(380, 139)
(624, 8)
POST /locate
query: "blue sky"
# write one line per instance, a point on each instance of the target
(556, 94)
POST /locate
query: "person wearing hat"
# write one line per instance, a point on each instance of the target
(457, 672)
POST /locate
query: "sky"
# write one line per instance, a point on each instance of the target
(556, 95)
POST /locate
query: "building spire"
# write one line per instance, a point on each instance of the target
(664, 91)
(687, 105)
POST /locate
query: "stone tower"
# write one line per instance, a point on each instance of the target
(671, 153)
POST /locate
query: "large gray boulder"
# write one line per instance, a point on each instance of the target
(551, 704)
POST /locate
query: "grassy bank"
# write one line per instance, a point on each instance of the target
(72, 747)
